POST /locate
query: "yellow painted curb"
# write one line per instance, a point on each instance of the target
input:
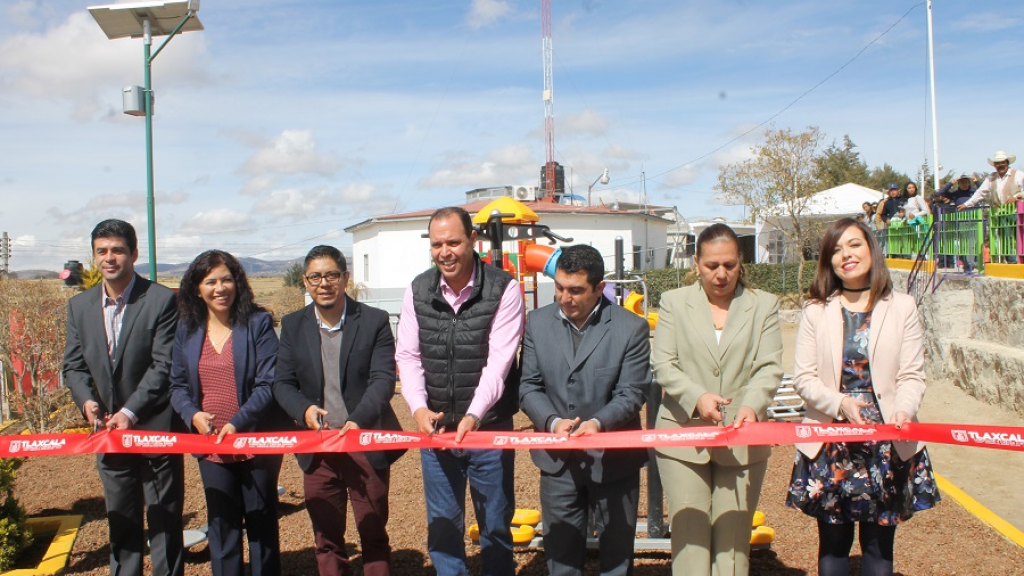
(908, 264)
(56, 557)
(997, 270)
(980, 511)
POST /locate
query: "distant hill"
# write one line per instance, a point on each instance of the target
(253, 267)
(33, 274)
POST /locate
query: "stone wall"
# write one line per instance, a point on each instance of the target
(998, 311)
(974, 336)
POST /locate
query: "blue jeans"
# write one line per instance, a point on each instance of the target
(491, 476)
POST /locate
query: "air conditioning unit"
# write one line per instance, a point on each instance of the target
(525, 193)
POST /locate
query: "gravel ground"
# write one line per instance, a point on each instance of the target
(944, 541)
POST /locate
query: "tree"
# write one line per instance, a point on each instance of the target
(33, 317)
(882, 176)
(838, 165)
(777, 184)
(293, 277)
(91, 276)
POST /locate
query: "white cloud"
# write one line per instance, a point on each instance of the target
(215, 220)
(987, 22)
(259, 184)
(292, 202)
(620, 152)
(292, 152)
(20, 13)
(506, 165)
(74, 61)
(484, 13)
(586, 123)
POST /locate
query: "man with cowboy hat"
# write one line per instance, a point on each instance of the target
(1007, 184)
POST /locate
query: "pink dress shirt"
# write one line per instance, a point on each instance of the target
(506, 332)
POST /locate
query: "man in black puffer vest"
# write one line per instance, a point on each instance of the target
(458, 344)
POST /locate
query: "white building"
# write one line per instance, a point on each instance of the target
(825, 206)
(389, 251)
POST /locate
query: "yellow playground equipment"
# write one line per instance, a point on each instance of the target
(527, 530)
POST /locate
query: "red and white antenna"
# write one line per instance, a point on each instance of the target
(548, 95)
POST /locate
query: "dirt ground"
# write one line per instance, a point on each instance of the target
(946, 541)
(943, 541)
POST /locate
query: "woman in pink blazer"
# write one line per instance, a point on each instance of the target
(859, 359)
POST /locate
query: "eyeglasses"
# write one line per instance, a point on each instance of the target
(315, 278)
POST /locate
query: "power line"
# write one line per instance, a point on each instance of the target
(797, 99)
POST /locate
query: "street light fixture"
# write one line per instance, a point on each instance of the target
(145, 20)
(603, 179)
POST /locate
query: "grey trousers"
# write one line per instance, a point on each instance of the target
(153, 484)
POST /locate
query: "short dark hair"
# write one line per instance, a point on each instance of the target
(582, 258)
(826, 282)
(116, 229)
(323, 251)
(719, 232)
(448, 212)
(192, 310)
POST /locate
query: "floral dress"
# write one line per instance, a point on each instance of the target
(861, 481)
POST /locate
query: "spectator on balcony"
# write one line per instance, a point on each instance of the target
(1004, 185)
(889, 206)
(868, 217)
(917, 206)
(900, 217)
(956, 192)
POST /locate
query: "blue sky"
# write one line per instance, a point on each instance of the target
(286, 121)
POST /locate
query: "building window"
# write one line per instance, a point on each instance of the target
(366, 267)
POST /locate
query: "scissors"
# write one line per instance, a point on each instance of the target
(99, 423)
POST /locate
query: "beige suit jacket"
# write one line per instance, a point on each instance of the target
(895, 356)
(746, 366)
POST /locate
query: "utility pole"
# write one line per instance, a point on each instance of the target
(5, 255)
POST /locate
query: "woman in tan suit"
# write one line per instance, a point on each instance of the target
(859, 359)
(718, 356)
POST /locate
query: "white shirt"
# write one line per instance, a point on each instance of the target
(995, 182)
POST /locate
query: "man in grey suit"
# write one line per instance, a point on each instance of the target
(116, 363)
(586, 369)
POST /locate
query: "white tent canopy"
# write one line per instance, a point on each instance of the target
(842, 200)
(831, 204)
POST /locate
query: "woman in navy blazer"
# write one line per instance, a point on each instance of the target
(222, 369)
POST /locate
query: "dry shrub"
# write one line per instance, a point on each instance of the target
(283, 300)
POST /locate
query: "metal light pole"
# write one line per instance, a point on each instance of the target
(132, 21)
(937, 168)
(603, 179)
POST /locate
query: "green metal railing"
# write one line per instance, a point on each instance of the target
(905, 237)
(1004, 232)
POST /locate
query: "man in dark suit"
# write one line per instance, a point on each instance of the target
(586, 369)
(336, 370)
(116, 363)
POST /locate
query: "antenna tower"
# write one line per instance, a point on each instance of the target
(549, 92)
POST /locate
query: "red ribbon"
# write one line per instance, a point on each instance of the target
(755, 434)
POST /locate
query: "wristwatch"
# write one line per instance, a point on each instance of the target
(476, 420)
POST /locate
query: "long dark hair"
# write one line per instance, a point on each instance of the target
(719, 232)
(826, 283)
(192, 309)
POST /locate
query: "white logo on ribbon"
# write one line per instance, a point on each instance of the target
(500, 440)
(126, 440)
(15, 446)
(239, 443)
(648, 438)
(803, 431)
(959, 435)
(365, 438)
